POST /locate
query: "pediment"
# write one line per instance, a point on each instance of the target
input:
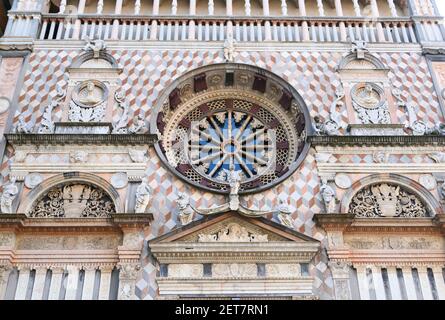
(233, 228)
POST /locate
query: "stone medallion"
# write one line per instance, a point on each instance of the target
(119, 180)
(32, 180)
(343, 181)
(428, 181)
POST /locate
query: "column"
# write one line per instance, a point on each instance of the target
(39, 283)
(71, 284)
(80, 10)
(22, 283)
(438, 278)
(211, 6)
(192, 24)
(374, 9)
(356, 8)
(425, 283)
(396, 293)
(320, 8)
(247, 7)
(115, 30)
(377, 279)
(137, 7)
(409, 283)
(267, 30)
(339, 11)
(88, 284)
(100, 6)
(105, 281)
(56, 282)
(392, 7)
(229, 8)
(155, 7)
(62, 6)
(4, 275)
(174, 7)
(283, 7)
(304, 26)
(340, 276)
(376, 14)
(362, 282)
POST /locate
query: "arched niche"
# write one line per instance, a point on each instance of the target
(99, 190)
(405, 185)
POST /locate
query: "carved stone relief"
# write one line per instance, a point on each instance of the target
(88, 102)
(55, 242)
(283, 270)
(233, 232)
(119, 180)
(32, 180)
(428, 181)
(10, 192)
(393, 242)
(343, 181)
(73, 201)
(234, 270)
(185, 270)
(368, 101)
(387, 200)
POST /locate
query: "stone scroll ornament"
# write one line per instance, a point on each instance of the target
(418, 127)
(332, 126)
(121, 127)
(47, 123)
(387, 200)
(74, 200)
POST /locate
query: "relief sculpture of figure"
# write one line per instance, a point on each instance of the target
(328, 195)
(186, 211)
(10, 192)
(284, 213)
(234, 180)
(142, 196)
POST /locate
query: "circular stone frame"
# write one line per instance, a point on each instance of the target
(191, 85)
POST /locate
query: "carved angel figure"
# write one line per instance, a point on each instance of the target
(142, 196)
(284, 213)
(186, 211)
(10, 192)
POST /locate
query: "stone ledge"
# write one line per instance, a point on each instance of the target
(377, 140)
(64, 139)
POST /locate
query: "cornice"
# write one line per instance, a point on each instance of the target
(117, 222)
(377, 140)
(94, 139)
(333, 220)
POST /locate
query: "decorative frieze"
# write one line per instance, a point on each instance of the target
(233, 232)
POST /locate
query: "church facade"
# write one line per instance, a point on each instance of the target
(186, 149)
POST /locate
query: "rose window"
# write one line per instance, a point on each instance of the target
(206, 134)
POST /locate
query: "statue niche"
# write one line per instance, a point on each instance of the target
(75, 200)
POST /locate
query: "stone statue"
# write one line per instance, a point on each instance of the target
(442, 191)
(142, 196)
(10, 192)
(94, 45)
(186, 211)
(138, 125)
(328, 195)
(229, 49)
(22, 126)
(234, 180)
(284, 213)
(359, 48)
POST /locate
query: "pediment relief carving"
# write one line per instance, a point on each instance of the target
(232, 230)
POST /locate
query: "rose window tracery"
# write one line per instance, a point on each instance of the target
(73, 200)
(221, 121)
(387, 200)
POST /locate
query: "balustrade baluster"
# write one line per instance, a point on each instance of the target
(252, 30)
(297, 32)
(169, 30)
(138, 30)
(43, 30)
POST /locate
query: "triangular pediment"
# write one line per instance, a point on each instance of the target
(233, 228)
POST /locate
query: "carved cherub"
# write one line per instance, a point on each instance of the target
(94, 45)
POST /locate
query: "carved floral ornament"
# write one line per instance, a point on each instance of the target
(73, 200)
(387, 200)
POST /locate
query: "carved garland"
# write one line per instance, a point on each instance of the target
(387, 200)
(75, 200)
